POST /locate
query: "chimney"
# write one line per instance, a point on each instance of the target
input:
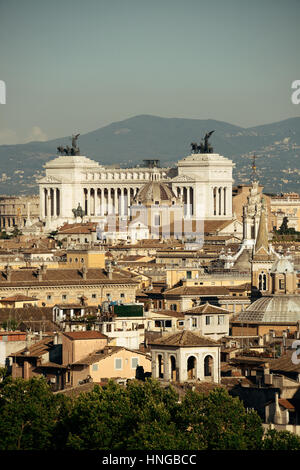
(39, 274)
(84, 272)
(109, 272)
(55, 339)
(8, 270)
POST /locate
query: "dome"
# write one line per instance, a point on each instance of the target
(282, 266)
(153, 192)
(276, 308)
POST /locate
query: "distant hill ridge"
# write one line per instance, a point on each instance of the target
(128, 142)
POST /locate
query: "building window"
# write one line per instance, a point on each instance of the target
(64, 297)
(208, 320)
(221, 320)
(189, 274)
(122, 295)
(134, 362)
(194, 322)
(118, 364)
(156, 220)
(281, 284)
(262, 281)
(94, 296)
(95, 367)
(49, 297)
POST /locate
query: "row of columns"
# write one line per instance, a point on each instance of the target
(51, 202)
(108, 201)
(186, 195)
(168, 366)
(219, 199)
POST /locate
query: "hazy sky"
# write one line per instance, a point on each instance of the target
(73, 65)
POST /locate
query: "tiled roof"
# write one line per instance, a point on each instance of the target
(206, 308)
(83, 335)
(36, 349)
(77, 228)
(201, 290)
(286, 404)
(22, 277)
(211, 226)
(27, 313)
(184, 339)
(284, 363)
(18, 298)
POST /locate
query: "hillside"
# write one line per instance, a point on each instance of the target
(128, 142)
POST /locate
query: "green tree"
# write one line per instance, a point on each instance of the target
(280, 440)
(221, 422)
(29, 413)
(4, 235)
(16, 232)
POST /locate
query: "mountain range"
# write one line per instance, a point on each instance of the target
(128, 142)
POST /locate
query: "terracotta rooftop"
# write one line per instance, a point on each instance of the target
(36, 349)
(198, 290)
(184, 338)
(211, 226)
(206, 308)
(18, 298)
(21, 277)
(85, 335)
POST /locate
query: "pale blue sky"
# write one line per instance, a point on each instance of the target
(73, 65)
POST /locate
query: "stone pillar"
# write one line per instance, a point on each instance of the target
(166, 366)
(188, 202)
(54, 203)
(221, 201)
(122, 202)
(48, 203)
(116, 211)
(88, 202)
(102, 202)
(128, 201)
(109, 202)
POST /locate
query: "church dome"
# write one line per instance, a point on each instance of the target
(282, 266)
(276, 308)
(155, 192)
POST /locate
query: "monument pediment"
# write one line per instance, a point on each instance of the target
(49, 179)
(182, 179)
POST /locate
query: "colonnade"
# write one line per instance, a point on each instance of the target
(51, 204)
(108, 201)
(219, 200)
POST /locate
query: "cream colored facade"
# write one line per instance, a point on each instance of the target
(121, 364)
(20, 211)
(182, 364)
(203, 184)
(286, 205)
(195, 277)
(75, 349)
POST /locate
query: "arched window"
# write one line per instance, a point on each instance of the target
(262, 281)
(208, 366)
(191, 368)
(173, 368)
(160, 364)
